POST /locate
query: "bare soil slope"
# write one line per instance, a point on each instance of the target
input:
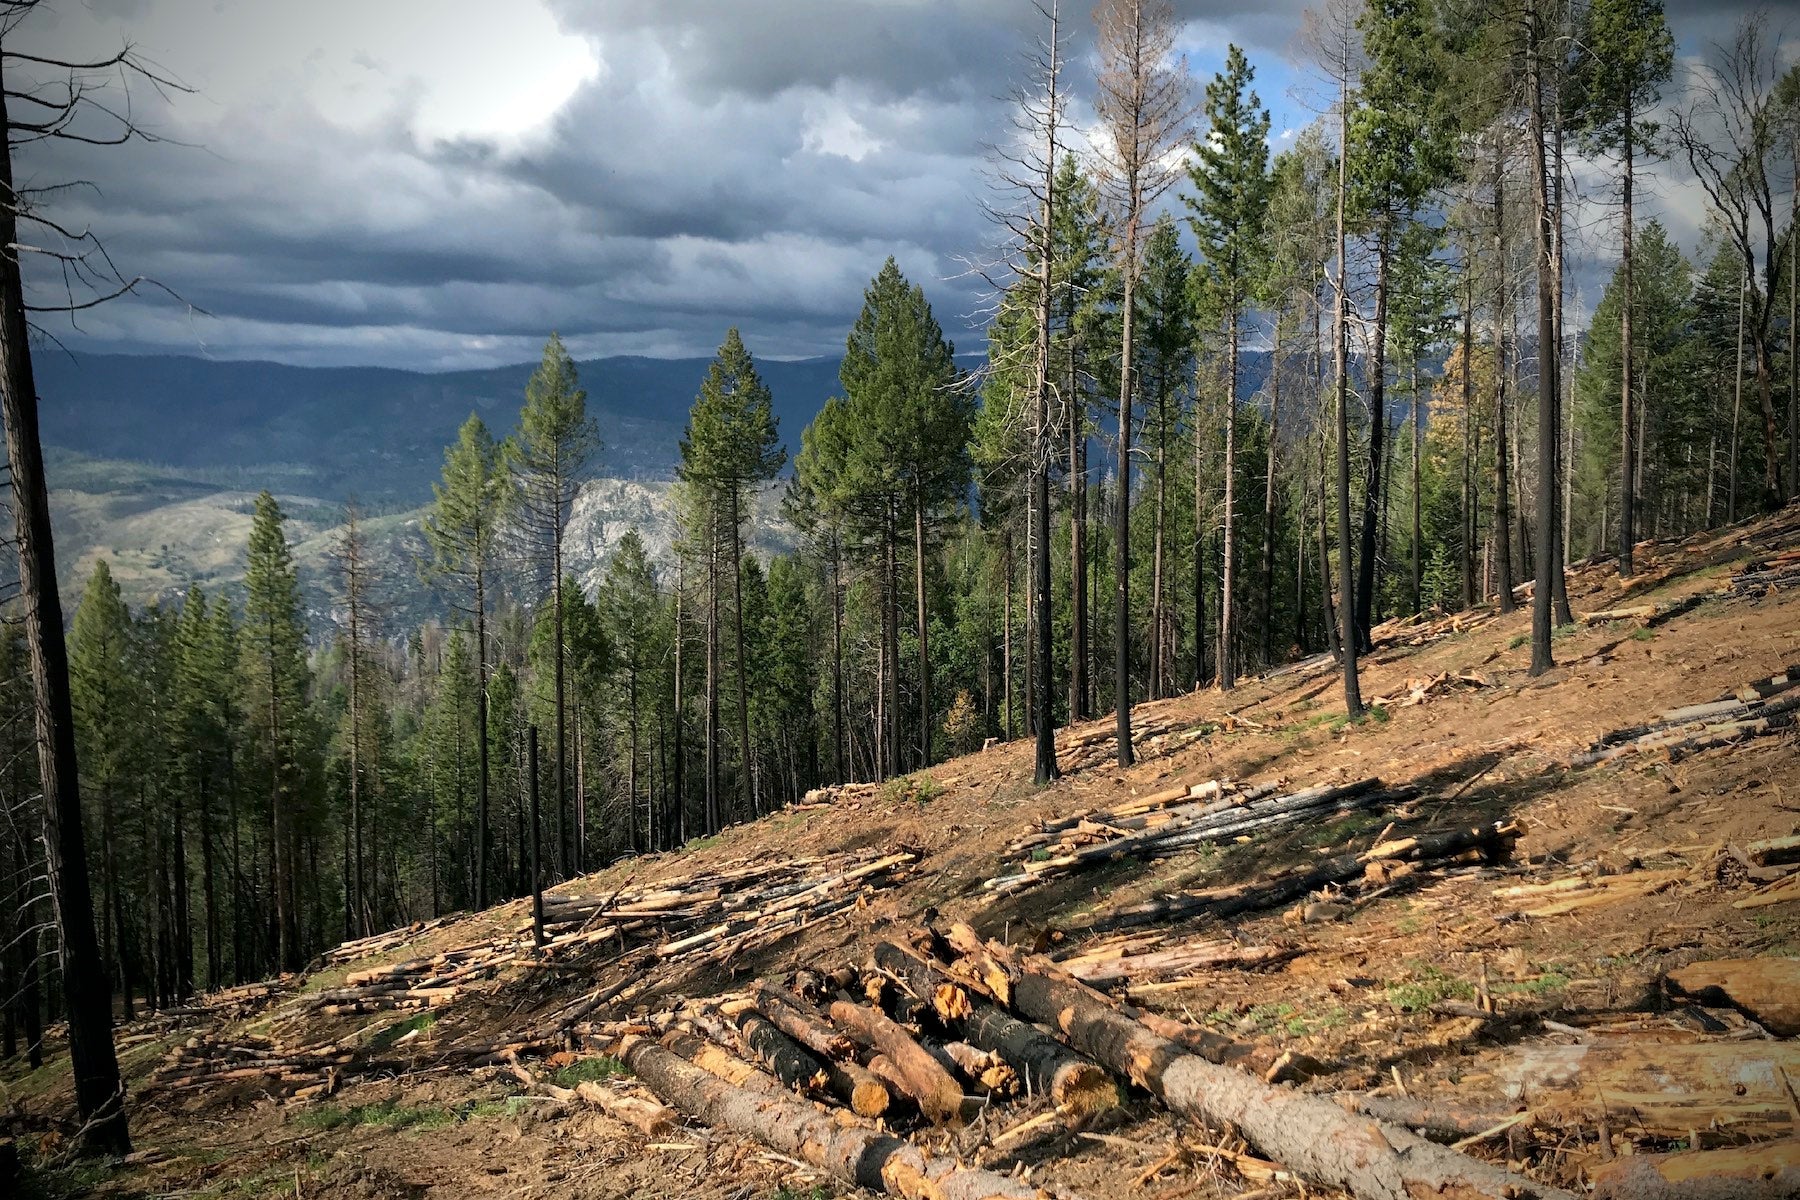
(1513, 995)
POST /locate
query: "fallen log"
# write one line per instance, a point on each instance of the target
(1440, 1118)
(1770, 1171)
(1665, 1089)
(1773, 852)
(800, 1021)
(785, 1058)
(916, 1072)
(1309, 1135)
(856, 1154)
(1046, 1066)
(1492, 842)
(1767, 990)
(1214, 953)
(714, 1059)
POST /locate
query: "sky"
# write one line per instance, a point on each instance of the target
(438, 184)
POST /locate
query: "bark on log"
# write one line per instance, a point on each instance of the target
(785, 1058)
(1046, 1066)
(1440, 1118)
(800, 1021)
(1309, 1135)
(1767, 990)
(716, 1060)
(916, 1072)
(857, 1155)
(1770, 1171)
(1665, 1089)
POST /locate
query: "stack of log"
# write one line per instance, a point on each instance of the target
(1180, 819)
(381, 943)
(1380, 866)
(775, 1067)
(718, 913)
(1417, 691)
(207, 1061)
(1648, 613)
(838, 793)
(1152, 735)
(1769, 868)
(1759, 708)
(427, 982)
(1420, 629)
(1135, 959)
(1767, 574)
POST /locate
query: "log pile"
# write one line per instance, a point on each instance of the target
(427, 982)
(1180, 819)
(1765, 575)
(1421, 629)
(1417, 691)
(1759, 708)
(381, 943)
(1152, 735)
(1769, 868)
(1390, 859)
(1139, 958)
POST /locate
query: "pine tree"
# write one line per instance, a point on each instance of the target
(628, 603)
(1230, 174)
(275, 680)
(1168, 354)
(1626, 55)
(468, 512)
(546, 460)
(731, 446)
(911, 420)
(106, 703)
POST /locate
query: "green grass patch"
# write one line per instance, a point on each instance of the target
(1428, 986)
(388, 1113)
(597, 1068)
(1641, 634)
(1565, 631)
(1553, 980)
(920, 788)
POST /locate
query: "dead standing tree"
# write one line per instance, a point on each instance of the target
(1145, 116)
(44, 99)
(1729, 132)
(1025, 179)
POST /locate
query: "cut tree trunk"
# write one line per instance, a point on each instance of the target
(1309, 1135)
(1663, 1089)
(856, 1154)
(1767, 1172)
(1767, 990)
(916, 1072)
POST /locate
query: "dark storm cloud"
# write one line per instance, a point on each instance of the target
(332, 195)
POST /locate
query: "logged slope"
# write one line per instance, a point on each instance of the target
(1473, 947)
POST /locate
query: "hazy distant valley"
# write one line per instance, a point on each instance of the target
(154, 461)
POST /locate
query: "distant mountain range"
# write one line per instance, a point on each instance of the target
(373, 432)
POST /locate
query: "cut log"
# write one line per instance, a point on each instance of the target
(785, 1058)
(1046, 1066)
(800, 1021)
(856, 1155)
(1767, 990)
(915, 1071)
(1770, 1171)
(1309, 1135)
(1440, 1118)
(1213, 953)
(1664, 1089)
(716, 1060)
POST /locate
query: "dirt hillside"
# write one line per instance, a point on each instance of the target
(1502, 942)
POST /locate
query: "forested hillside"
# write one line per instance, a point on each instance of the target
(351, 651)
